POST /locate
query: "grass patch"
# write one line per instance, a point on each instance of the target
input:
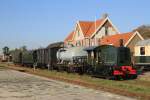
(127, 85)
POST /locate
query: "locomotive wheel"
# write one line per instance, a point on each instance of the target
(60, 69)
(90, 71)
(80, 71)
(118, 77)
(133, 76)
(70, 70)
(110, 77)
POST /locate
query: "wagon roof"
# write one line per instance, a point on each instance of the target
(143, 43)
(57, 44)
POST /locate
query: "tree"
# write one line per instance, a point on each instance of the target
(6, 51)
(23, 48)
(144, 30)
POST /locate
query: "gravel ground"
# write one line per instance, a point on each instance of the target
(145, 76)
(16, 85)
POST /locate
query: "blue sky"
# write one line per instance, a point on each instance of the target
(36, 23)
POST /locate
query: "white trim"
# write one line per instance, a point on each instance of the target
(80, 28)
(77, 24)
(107, 19)
(98, 28)
(139, 35)
(116, 29)
(135, 33)
(75, 31)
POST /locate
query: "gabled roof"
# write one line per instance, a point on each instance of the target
(88, 28)
(143, 43)
(70, 36)
(114, 39)
(95, 26)
(85, 26)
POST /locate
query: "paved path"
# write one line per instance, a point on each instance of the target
(16, 85)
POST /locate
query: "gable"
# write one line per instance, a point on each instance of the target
(78, 33)
(95, 25)
(106, 23)
(136, 33)
(133, 42)
(105, 30)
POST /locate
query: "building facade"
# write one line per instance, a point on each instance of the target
(129, 40)
(89, 33)
(101, 32)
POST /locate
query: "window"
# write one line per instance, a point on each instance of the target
(69, 43)
(78, 32)
(106, 31)
(78, 43)
(89, 42)
(142, 50)
(82, 43)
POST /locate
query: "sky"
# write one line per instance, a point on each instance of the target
(37, 23)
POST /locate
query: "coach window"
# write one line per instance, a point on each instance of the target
(142, 50)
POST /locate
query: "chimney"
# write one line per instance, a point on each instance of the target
(121, 42)
(105, 15)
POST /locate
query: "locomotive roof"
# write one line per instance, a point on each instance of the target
(91, 48)
(143, 43)
(57, 44)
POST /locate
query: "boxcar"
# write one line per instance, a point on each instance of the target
(27, 58)
(16, 56)
(51, 57)
(47, 56)
(41, 54)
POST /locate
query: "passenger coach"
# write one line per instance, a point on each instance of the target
(142, 54)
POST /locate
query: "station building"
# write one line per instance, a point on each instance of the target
(89, 33)
(101, 32)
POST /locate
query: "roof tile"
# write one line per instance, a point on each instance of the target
(70, 36)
